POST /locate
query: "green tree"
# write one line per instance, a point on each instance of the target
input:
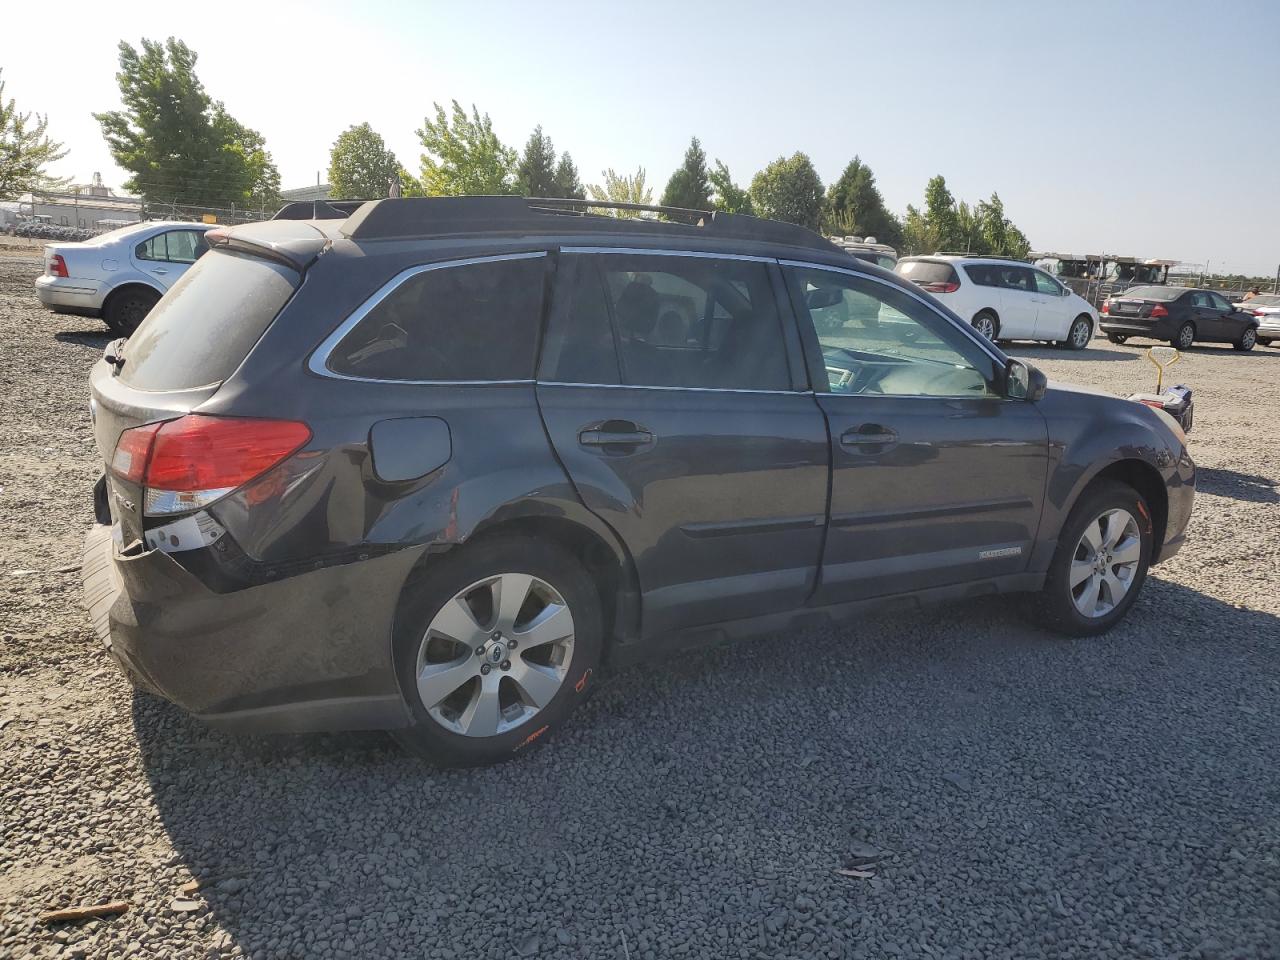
(621, 189)
(940, 211)
(25, 150)
(536, 172)
(410, 186)
(464, 157)
(918, 235)
(177, 143)
(728, 196)
(855, 206)
(566, 179)
(789, 189)
(690, 185)
(360, 165)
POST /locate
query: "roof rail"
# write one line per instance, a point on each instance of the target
(403, 218)
(318, 209)
(977, 256)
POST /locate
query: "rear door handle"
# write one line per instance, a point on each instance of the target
(160, 270)
(615, 433)
(870, 437)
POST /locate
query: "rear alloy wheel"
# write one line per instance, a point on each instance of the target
(1101, 562)
(496, 646)
(1247, 340)
(1185, 337)
(987, 325)
(1081, 333)
(1117, 337)
(126, 310)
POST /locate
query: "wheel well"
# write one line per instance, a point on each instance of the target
(123, 288)
(610, 577)
(1147, 481)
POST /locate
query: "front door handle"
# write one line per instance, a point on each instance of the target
(869, 438)
(615, 433)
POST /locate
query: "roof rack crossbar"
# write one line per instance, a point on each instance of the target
(692, 215)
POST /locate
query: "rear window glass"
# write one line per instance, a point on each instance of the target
(1265, 300)
(476, 321)
(207, 323)
(1163, 294)
(926, 271)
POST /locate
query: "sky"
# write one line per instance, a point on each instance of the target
(1143, 129)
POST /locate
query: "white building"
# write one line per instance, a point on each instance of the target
(89, 206)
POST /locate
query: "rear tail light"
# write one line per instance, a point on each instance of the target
(940, 287)
(189, 463)
(1259, 313)
(58, 266)
(1106, 307)
(1158, 404)
(1158, 311)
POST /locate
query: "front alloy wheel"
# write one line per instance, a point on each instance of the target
(1080, 334)
(1105, 563)
(1247, 340)
(495, 655)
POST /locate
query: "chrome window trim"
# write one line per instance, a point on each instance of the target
(318, 362)
(641, 386)
(649, 252)
(980, 341)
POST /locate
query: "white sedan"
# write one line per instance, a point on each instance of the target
(120, 275)
(1266, 307)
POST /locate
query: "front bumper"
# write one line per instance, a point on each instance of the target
(307, 653)
(71, 294)
(1180, 488)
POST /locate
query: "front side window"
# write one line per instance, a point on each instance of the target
(462, 321)
(906, 349)
(1046, 284)
(670, 321)
(1218, 302)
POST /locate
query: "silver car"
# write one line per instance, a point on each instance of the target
(1266, 307)
(120, 275)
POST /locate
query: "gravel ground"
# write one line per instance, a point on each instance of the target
(1026, 795)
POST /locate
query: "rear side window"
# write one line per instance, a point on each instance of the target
(695, 322)
(981, 274)
(452, 321)
(207, 323)
(926, 271)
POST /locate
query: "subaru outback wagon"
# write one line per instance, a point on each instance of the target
(425, 467)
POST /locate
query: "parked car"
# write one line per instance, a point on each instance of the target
(1181, 315)
(1005, 299)
(1266, 307)
(119, 276)
(425, 467)
(868, 249)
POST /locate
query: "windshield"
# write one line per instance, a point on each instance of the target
(1163, 294)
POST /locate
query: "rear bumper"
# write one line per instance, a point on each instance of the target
(308, 653)
(1269, 328)
(1162, 329)
(71, 294)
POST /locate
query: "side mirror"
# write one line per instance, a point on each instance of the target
(823, 297)
(1022, 381)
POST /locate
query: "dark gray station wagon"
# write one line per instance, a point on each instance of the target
(425, 466)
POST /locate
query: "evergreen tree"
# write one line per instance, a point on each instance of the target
(690, 185)
(536, 172)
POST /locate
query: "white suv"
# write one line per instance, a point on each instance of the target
(1004, 299)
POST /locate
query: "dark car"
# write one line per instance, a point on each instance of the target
(425, 468)
(1181, 315)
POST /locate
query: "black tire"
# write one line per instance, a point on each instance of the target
(1185, 338)
(128, 308)
(1055, 606)
(1078, 339)
(1117, 337)
(1265, 341)
(1247, 339)
(981, 318)
(435, 585)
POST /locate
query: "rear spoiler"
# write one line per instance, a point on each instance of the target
(296, 253)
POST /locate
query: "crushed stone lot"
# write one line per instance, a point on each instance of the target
(1015, 794)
